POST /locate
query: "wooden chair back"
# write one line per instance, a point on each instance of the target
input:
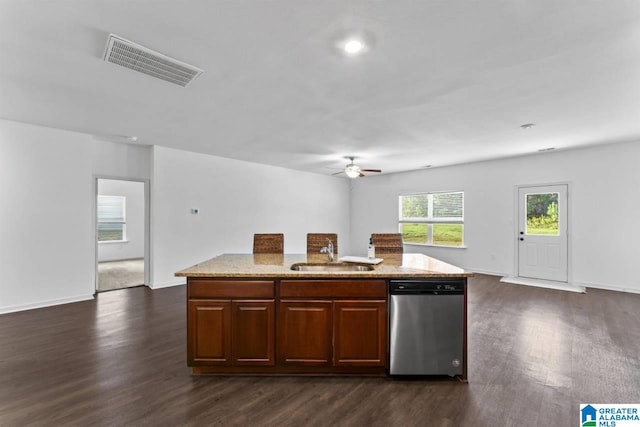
(268, 243)
(387, 243)
(316, 241)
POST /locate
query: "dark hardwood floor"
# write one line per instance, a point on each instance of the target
(534, 355)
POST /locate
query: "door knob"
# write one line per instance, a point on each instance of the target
(522, 232)
(522, 238)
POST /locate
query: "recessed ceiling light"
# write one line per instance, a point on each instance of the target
(527, 126)
(353, 46)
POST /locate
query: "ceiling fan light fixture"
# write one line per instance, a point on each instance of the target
(352, 171)
(353, 46)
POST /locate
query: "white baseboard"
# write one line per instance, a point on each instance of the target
(562, 286)
(168, 284)
(610, 288)
(487, 272)
(42, 304)
(120, 259)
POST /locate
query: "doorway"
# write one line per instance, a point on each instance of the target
(543, 232)
(121, 234)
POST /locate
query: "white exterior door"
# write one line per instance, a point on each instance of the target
(542, 232)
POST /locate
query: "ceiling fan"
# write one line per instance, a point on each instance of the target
(354, 171)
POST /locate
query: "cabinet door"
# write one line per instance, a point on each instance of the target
(305, 333)
(209, 332)
(253, 330)
(360, 333)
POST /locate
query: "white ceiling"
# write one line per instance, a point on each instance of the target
(444, 82)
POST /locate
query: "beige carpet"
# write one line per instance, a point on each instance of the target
(120, 274)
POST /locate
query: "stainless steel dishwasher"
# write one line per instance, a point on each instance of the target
(426, 326)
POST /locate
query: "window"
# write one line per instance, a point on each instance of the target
(432, 218)
(542, 214)
(111, 218)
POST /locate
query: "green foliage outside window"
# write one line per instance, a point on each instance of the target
(105, 235)
(542, 214)
(415, 206)
(447, 234)
(414, 233)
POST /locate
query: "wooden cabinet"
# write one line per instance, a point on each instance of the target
(314, 326)
(253, 333)
(360, 333)
(305, 333)
(238, 331)
(318, 329)
(209, 332)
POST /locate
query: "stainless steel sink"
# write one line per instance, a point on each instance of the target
(334, 266)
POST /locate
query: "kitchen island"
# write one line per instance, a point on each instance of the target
(253, 314)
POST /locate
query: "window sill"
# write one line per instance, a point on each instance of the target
(434, 246)
(106, 242)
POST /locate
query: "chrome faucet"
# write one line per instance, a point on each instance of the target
(328, 250)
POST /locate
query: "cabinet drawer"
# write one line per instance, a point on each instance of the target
(210, 288)
(333, 288)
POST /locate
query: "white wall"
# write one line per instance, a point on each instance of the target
(603, 209)
(114, 160)
(236, 199)
(47, 241)
(46, 245)
(133, 247)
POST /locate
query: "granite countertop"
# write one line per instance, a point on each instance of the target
(279, 266)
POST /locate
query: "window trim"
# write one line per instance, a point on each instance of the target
(430, 220)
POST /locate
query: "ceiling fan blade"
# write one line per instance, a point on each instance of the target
(337, 173)
(371, 170)
(361, 174)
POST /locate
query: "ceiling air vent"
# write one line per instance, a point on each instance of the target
(139, 58)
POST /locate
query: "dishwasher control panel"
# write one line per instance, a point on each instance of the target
(426, 287)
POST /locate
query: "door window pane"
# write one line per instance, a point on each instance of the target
(542, 214)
